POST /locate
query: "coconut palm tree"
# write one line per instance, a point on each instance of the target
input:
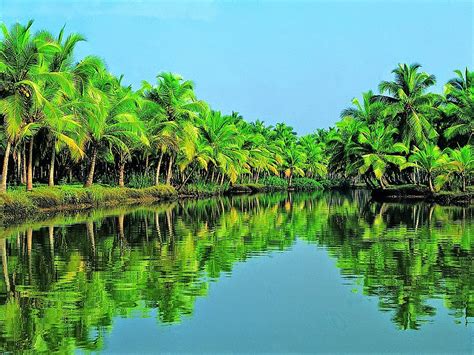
(460, 106)
(316, 160)
(222, 136)
(178, 104)
(462, 162)
(410, 108)
(378, 151)
(294, 161)
(433, 161)
(341, 146)
(369, 111)
(199, 159)
(108, 119)
(18, 62)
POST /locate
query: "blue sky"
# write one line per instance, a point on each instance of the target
(300, 62)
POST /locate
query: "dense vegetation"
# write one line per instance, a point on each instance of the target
(65, 121)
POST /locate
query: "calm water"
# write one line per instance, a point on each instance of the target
(323, 272)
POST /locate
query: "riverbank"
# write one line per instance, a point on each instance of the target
(18, 204)
(407, 193)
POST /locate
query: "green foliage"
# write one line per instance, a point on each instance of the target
(274, 182)
(306, 184)
(73, 115)
(20, 203)
(140, 181)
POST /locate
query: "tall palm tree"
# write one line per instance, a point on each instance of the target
(178, 104)
(18, 62)
(460, 106)
(109, 119)
(411, 108)
(222, 136)
(316, 160)
(294, 161)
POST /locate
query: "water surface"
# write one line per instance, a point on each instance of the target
(321, 272)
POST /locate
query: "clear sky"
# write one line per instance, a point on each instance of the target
(300, 62)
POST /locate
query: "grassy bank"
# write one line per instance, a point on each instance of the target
(18, 203)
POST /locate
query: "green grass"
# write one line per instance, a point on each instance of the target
(20, 202)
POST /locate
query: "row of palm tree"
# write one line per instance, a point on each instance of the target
(406, 134)
(50, 105)
(74, 121)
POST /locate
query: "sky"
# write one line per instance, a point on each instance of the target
(294, 61)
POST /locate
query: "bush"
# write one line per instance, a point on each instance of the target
(274, 182)
(306, 184)
(140, 181)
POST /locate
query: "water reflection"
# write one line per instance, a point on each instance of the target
(66, 279)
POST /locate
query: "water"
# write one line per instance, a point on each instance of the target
(321, 272)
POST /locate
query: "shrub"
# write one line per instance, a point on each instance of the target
(274, 182)
(306, 184)
(140, 181)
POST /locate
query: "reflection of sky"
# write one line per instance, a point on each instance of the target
(295, 61)
(290, 302)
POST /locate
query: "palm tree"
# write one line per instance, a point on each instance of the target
(109, 121)
(316, 160)
(18, 61)
(411, 109)
(462, 162)
(378, 150)
(178, 104)
(432, 160)
(222, 136)
(369, 111)
(460, 106)
(341, 146)
(294, 161)
(200, 158)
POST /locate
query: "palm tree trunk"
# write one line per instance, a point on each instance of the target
(187, 178)
(3, 185)
(158, 167)
(170, 171)
(3, 247)
(51, 167)
(121, 173)
(90, 177)
(430, 182)
(463, 177)
(23, 176)
(29, 172)
(51, 241)
(120, 228)
(18, 165)
(90, 234)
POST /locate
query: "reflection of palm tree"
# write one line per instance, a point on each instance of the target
(3, 250)
(91, 234)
